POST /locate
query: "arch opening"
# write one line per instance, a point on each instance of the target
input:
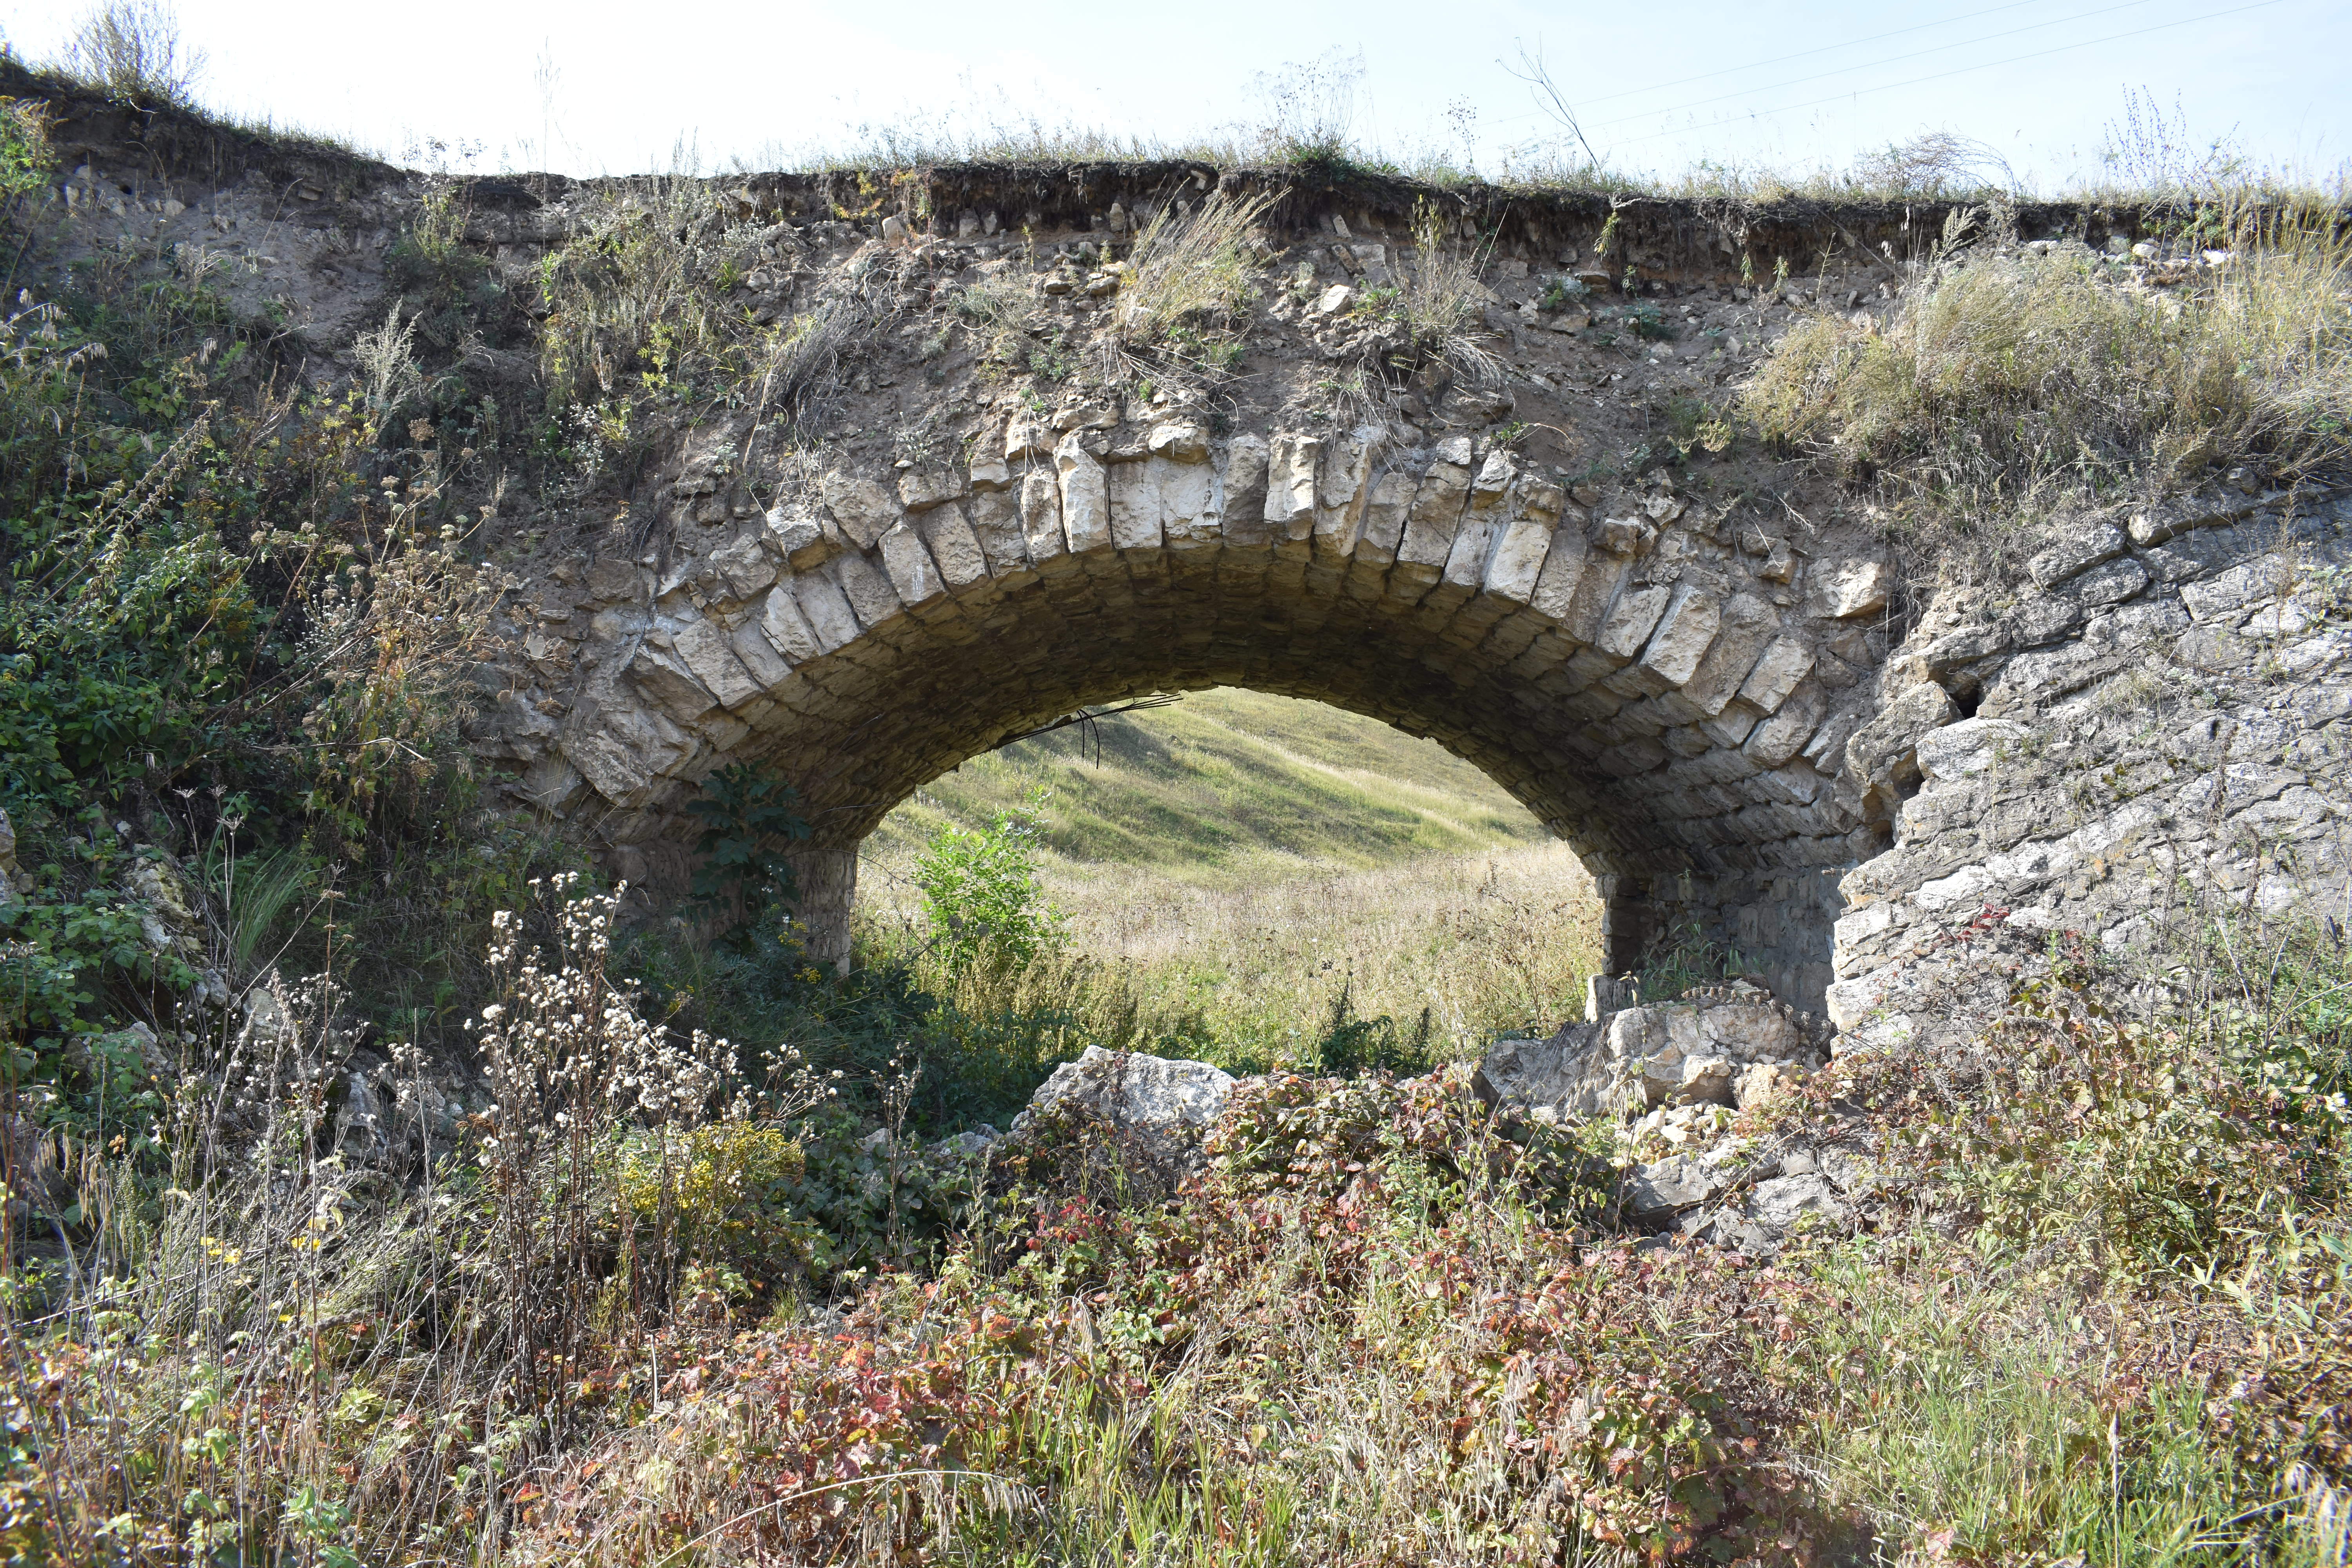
(1261, 871)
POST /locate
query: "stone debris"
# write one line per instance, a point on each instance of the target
(1733, 1044)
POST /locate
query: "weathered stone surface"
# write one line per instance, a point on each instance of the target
(1084, 497)
(1168, 1104)
(1969, 746)
(1884, 754)
(1843, 590)
(2078, 552)
(861, 506)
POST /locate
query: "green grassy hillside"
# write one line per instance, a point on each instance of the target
(1245, 860)
(1206, 790)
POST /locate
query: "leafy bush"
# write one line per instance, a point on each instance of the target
(980, 891)
(2119, 1144)
(134, 49)
(747, 819)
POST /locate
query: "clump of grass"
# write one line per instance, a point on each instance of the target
(995, 311)
(1439, 300)
(1192, 270)
(2007, 382)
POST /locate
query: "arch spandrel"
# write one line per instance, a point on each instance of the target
(1654, 695)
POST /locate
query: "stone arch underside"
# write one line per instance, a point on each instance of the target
(1669, 703)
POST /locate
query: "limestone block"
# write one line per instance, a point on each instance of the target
(2156, 623)
(1596, 592)
(1563, 570)
(824, 605)
(2170, 520)
(1843, 590)
(708, 652)
(742, 569)
(759, 657)
(954, 547)
(785, 628)
(989, 473)
(2109, 585)
(2226, 596)
(1493, 481)
(621, 750)
(862, 507)
(1180, 441)
(920, 490)
(1515, 565)
(1291, 462)
(996, 524)
(1390, 501)
(1966, 647)
(1786, 731)
(869, 592)
(1086, 498)
(1793, 785)
(1776, 1207)
(1342, 492)
(1041, 518)
(1189, 514)
(1465, 563)
(1166, 1105)
(1630, 620)
(1624, 536)
(1966, 748)
(1748, 624)
(2081, 549)
(1683, 634)
(804, 541)
(1778, 670)
(1134, 506)
(1884, 754)
(914, 574)
(1246, 480)
(1028, 440)
(662, 676)
(1430, 526)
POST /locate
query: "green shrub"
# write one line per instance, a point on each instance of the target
(749, 822)
(980, 891)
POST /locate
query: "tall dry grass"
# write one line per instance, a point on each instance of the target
(1483, 942)
(2008, 382)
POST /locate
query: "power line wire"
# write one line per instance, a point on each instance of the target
(1872, 65)
(1804, 54)
(1938, 75)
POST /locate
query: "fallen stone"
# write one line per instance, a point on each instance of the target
(1169, 1103)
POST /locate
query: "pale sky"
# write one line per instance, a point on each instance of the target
(1660, 88)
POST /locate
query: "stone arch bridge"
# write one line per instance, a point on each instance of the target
(1679, 708)
(1876, 785)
